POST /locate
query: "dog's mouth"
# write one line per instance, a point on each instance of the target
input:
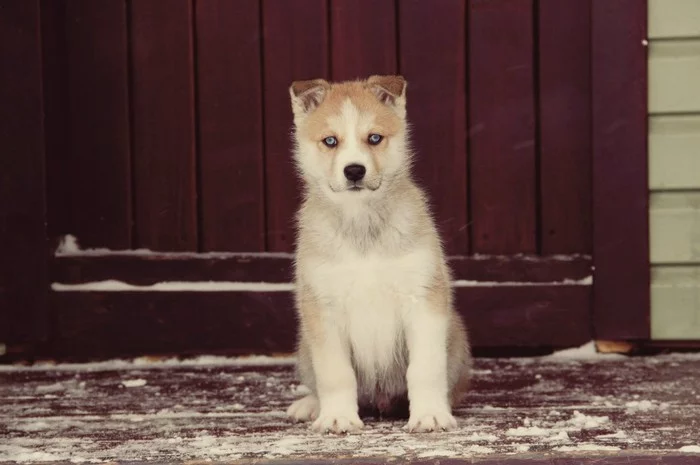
(355, 187)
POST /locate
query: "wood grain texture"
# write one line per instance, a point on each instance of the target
(620, 192)
(57, 127)
(229, 85)
(88, 170)
(151, 269)
(23, 245)
(277, 268)
(565, 126)
(162, 115)
(363, 38)
(502, 127)
(94, 323)
(526, 316)
(245, 322)
(433, 60)
(286, 60)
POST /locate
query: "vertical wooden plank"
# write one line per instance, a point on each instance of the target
(363, 38)
(502, 127)
(23, 247)
(565, 126)
(57, 124)
(163, 124)
(230, 125)
(295, 43)
(620, 192)
(433, 59)
(88, 166)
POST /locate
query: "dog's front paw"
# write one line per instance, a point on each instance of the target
(337, 423)
(304, 409)
(426, 422)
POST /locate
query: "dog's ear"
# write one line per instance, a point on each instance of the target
(307, 95)
(390, 90)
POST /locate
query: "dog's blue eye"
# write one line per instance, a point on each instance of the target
(330, 141)
(374, 139)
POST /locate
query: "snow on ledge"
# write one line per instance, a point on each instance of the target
(112, 285)
(155, 363)
(587, 281)
(587, 351)
(69, 247)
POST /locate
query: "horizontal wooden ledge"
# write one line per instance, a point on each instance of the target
(112, 324)
(152, 268)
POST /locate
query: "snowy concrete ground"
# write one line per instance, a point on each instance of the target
(572, 405)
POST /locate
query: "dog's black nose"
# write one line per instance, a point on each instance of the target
(354, 172)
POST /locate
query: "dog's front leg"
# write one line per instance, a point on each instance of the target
(426, 377)
(336, 385)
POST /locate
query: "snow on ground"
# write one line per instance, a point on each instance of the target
(219, 408)
(131, 383)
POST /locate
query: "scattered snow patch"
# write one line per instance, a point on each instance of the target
(482, 437)
(33, 426)
(587, 447)
(581, 421)
(130, 383)
(68, 245)
(694, 449)
(21, 454)
(479, 449)
(525, 431)
(616, 435)
(644, 406)
(587, 351)
(561, 436)
(56, 387)
(437, 453)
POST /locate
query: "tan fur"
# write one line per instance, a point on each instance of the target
(390, 225)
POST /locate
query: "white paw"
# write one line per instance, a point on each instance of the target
(425, 422)
(304, 409)
(337, 423)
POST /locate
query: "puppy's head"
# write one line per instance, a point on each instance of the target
(351, 136)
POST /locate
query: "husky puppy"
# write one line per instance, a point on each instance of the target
(373, 290)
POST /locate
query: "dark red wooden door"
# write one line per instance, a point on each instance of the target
(168, 128)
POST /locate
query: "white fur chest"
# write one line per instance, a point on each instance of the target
(365, 298)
